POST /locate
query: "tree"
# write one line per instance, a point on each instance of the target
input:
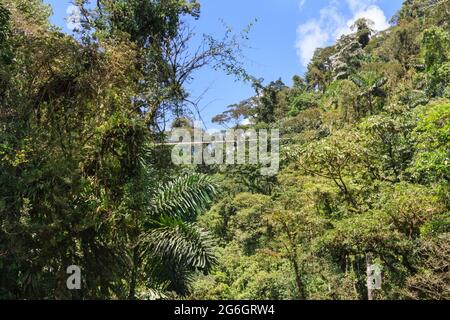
(79, 184)
(319, 69)
(363, 30)
(267, 100)
(166, 60)
(236, 113)
(430, 162)
(4, 32)
(343, 95)
(389, 142)
(336, 158)
(430, 281)
(348, 51)
(370, 85)
(170, 246)
(302, 101)
(436, 53)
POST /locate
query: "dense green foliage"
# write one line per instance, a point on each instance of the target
(79, 174)
(86, 181)
(365, 173)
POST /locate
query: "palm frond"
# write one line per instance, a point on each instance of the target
(180, 244)
(183, 198)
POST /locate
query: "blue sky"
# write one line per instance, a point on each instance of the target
(281, 42)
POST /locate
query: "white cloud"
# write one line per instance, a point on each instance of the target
(301, 4)
(315, 33)
(359, 5)
(73, 19)
(333, 23)
(375, 14)
(312, 36)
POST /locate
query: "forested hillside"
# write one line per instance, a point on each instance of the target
(365, 173)
(86, 177)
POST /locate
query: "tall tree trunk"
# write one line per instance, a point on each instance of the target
(369, 276)
(298, 278)
(133, 282)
